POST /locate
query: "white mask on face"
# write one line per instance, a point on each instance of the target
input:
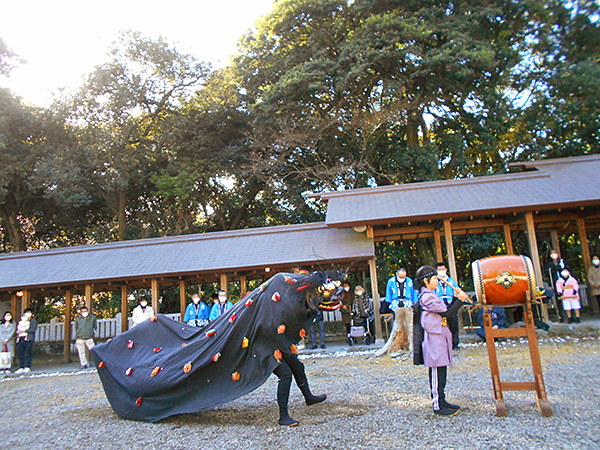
(84, 314)
(595, 262)
(8, 318)
(222, 298)
(196, 301)
(347, 288)
(28, 315)
(564, 274)
(442, 273)
(554, 255)
(143, 304)
(359, 293)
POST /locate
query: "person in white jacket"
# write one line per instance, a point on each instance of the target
(141, 312)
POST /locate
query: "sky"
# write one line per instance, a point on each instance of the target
(63, 40)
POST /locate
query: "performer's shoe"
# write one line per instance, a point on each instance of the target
(288, 422)
(443, 411)
(450, 405)
(577, 320)
(309, 397)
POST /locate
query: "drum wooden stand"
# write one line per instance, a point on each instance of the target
(538, 378)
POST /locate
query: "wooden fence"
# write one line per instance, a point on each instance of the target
(108, 328)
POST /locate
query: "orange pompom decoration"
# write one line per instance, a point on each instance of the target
(187, 368)
(281, 329)
(138, 402)
(276, 297)
(235, 376)
(128, 371)
(232, 318)
(210, 333)
(155, 371)
(157, 349)
(294, 349)
(108, 340)
(289, 280)
(245, 342)
(216, 357)
(302, 333)
(101, 365)
(154, 319)
(277, 355)
(130, 344)
(248, 302)
(183, 344)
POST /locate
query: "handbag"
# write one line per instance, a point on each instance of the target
(5, 359)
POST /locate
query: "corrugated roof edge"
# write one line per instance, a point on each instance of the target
(169, 240)
(463, 181)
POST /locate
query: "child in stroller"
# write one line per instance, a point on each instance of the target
(362, 318)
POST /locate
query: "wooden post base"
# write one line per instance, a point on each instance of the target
(537, 384)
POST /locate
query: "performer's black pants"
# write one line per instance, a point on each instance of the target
(24, 353)
(453, 327)
(289, 366)
(437, 385)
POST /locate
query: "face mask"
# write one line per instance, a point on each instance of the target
(222, 299)
(441, 273)
(196, 301)
(564, 274)
(28, 315)
(554, 256)
(401, 277)
(8, 318)
(143, 304)
(596, 262)
(84, 314)
(347, 288)
(359, 293)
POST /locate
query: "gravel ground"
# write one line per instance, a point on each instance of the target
(374, 403)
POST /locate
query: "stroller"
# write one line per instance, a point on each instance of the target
(360, 328)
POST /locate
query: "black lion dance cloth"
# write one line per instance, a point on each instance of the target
(163, 367)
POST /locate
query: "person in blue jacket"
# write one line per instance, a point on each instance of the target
(447, 295)
(220, 307)
(196, 313)
(498, 317)
(400, 292)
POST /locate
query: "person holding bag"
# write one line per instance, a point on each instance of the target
(8, 329)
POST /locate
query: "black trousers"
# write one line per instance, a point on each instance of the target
(453, 327)
(437, 385)
(289, 367)
(24, 353)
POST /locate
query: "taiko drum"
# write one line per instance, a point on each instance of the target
(503, 280)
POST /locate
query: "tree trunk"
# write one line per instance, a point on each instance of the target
(13, 230)
(121, 214)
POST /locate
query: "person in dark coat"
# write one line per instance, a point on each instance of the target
(26, 329)
(554, 267)
(499, 320)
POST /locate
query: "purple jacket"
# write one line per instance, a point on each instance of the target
(437, 343)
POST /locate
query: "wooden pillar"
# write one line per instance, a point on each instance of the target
(555, 241)
(535, 258)
(89, 291)
(182, 299)
(25, 301)
(452, 265)
(375, 295)
(243, 286)
(438, 245)
(124, 311)
(155, 294)
(67, 330)
(587, 260)
(508, 239)
(13, 308)
(224, 282)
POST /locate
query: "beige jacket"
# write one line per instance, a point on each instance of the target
(593, 279)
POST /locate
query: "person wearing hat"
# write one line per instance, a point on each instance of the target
(399, 293)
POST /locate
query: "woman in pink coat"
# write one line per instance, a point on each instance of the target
(437, 342)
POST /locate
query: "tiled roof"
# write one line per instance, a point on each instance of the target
(181, 255)
(546, 184)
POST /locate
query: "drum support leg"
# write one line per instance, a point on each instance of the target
(497, 384)
(543, 404)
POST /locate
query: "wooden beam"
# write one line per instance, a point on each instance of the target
(13, 308)
(585, 247)
(508, 239)
(224, 282)
(89, 291)
(555, 241)
(124, 309)
(243, 286)
(182, 299)
(439, 255)
(155, 294)
(25, 302)
(375, 296)
(535, 258)
(67, 329)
